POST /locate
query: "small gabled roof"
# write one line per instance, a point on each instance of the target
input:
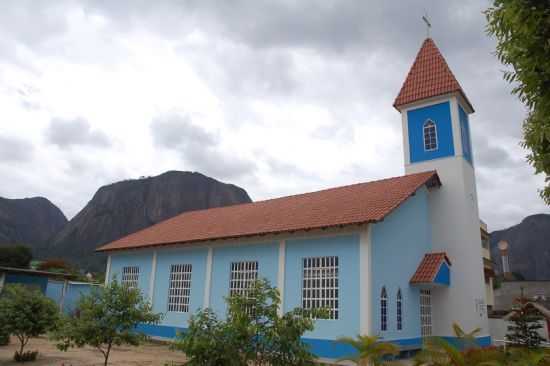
(429, 267)
(429, 76)
(336, 207)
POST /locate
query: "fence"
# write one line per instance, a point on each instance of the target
(67, 293)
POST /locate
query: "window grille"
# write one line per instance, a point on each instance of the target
(179, 291)
(430, 136)
(320, 285)
(399, 310)
(384, 310)
(243, 275)
(426, 313)
(130, 277)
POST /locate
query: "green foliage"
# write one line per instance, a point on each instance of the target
(370, 350)
(26, 313)
(522, 31)
(4, 337)
(525, 325)
(55, 265)
(107, 317)
(252, 333)
(17, 256)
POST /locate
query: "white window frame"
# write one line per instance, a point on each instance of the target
(130, 277)
(179, 288)
(399, 308)
(425, 312)
(428, 124)
(320, 285)
(383, 309)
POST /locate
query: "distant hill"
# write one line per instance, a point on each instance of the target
(121, 208)
(529, 247)
(29, 221)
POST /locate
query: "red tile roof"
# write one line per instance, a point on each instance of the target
(428, 268)
(428, 77)
(335, 207)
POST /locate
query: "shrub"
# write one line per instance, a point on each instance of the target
(25, 356)
(26, 313)
(17, 256)
(107, 316)
(4, 337)
(252, 333)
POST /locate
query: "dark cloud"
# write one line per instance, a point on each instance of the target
(15, 150)
(198, 147)
(75, 132)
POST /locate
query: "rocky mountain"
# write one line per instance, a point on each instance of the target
(29, 221)
(529, 243)
(121, 208)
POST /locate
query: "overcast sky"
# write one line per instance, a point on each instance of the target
(278, 97)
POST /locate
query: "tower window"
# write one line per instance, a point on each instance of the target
(384, 310)
(430, 136)
(399, 310)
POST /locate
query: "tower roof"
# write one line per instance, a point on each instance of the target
(428, 77)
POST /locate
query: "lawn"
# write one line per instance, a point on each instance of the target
(150, 354)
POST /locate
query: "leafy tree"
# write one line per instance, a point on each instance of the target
(525, 325)
(17, 256)
(55, 265)
(26, 313)
(252, 333)
(106, 317)
(370, 351)
(522, 31)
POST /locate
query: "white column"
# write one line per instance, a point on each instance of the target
(108, 271)
(152, 277)
(281, 275)
(208, 279)
(365, 308)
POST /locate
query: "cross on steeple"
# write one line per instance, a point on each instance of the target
(428, 24)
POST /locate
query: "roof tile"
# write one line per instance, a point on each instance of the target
(428, 268)
(353, 204)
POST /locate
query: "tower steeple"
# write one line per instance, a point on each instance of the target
(429, 77)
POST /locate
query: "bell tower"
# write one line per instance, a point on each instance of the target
(436, 136)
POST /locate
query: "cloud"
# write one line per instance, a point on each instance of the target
(75, 132)
(15, 150)
(199, 148)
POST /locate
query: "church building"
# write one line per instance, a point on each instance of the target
(399, 258)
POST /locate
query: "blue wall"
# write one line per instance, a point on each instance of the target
(346, 247)
(443, 276)
(440, 114)
(267, 256)
(465, 134)
(141, 259)
(73, 294)
(39, 282)
(398, 246)
(167, 257)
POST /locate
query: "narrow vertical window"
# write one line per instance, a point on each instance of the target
(430, 136)
(399, 310)
(179, 291)
(384, 310)
(320, 285)
(425, 313)
(130, 276)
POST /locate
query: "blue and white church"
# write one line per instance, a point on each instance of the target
(399, 258)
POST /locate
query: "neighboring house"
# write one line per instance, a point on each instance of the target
(398, 257)
(57, 286)
(488, 267)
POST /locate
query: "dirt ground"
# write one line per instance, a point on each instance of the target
(149, 354)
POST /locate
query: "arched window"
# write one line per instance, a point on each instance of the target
(383, 309)
(430, 136)
(399, 311)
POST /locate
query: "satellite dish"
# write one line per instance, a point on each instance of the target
(503, 245)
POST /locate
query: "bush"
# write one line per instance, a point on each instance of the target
(107, 316)
(17, 256)
(26, 313)
(253, 332)
(25, 356)
(4, 338)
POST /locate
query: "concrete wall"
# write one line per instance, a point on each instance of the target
(510, 290)
(499, 329)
